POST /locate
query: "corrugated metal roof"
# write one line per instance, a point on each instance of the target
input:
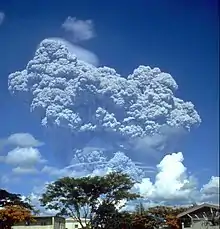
(197, 208)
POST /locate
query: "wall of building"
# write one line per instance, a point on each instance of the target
(39, 223)
(43, 223)
(201, 225)
(59, 223)
(34, 227)
(73, 224)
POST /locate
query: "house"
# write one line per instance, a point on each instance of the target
(204, 216)
(74, 224)
(43, 222)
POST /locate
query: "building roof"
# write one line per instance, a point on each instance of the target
(47, 216)
(197, 207)
(70, 219)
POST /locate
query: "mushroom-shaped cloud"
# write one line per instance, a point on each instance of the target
(86, 107)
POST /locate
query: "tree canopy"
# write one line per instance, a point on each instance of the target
(12, 214)
(7, 198)
(99, 199)
(13, 209)
(94, 197)
(169, 214)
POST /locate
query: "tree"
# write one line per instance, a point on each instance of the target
(96, 198)
(143, 221)
(7, 198)
(167, 214)
(13, 209)
(13, 214)
(139, 209)
(119, 220)
(134, 220)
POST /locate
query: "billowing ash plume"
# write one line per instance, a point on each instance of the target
(95, 115)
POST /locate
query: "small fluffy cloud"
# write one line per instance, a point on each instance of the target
(26, 157)
(23, 140)
(24, 160)
(2, 17)
(79, 29)
(210, 191)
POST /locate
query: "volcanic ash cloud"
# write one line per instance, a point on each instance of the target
(92, 110)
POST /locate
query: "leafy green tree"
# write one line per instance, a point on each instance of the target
(132, 220)
(7, 198)
(148, 218)
(96, 198)
(120, 220)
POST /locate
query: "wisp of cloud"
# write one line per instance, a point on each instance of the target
(93, 114)
(2, 16)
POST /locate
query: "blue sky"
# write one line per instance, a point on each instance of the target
(179, 37)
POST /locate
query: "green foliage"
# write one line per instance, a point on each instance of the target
(149, 218)
(132, 220)
(94, 197)
(169, 214)
(118, 220)
(7, 198)
(163, 211)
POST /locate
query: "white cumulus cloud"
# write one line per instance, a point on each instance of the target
(171, 182)
(80, 29)
(212, 186)
(210, 191)
(24, 160)
(26, 157)
(20, 140)
(23, 140)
